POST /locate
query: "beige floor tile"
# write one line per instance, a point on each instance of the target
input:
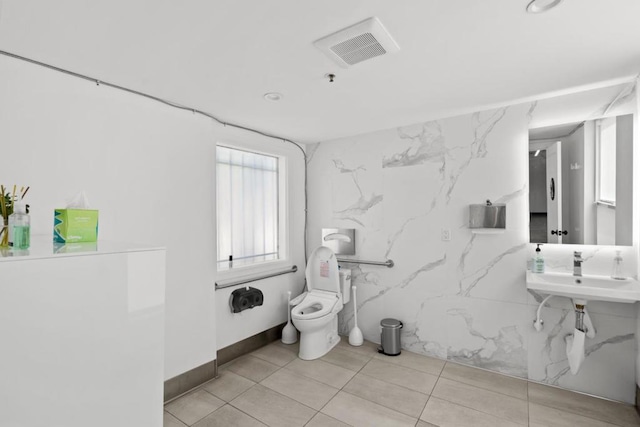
(415, 361)
(399, 375)
(489, 402)
(446, 414)
(549, 417)
(194, 406)
(357, 412)
(367, 349)
(298, 387)
(392, 396)
(272, 408)
(346, 359)
(275, 354)
(587, 406)
(228, 416)
(322, 420)
(294, 348)
(171, 421)
(228, 385)
(488, 380)
(425, 424)
(252, 368)
(322, 371)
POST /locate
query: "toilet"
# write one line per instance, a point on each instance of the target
(316, 317)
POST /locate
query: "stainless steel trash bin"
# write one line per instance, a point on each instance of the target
(390, 337)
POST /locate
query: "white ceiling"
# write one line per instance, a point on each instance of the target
(221, 56)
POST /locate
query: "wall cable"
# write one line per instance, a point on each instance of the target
(99, 82)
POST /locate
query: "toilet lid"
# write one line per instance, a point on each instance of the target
(322, 271)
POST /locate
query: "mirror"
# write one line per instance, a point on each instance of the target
(581, 182)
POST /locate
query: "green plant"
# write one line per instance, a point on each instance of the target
(7, 199)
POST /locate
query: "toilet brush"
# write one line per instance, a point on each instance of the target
(289, 333)
(355, 336)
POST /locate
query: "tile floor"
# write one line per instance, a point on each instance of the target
(356, 386)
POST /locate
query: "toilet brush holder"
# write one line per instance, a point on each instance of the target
(355, 336)
(289, 333)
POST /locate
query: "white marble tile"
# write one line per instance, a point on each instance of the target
(489, 334)
(610, 356)
(464, 299)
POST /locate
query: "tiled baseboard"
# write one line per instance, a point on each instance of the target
(250, 344)
(189, 380)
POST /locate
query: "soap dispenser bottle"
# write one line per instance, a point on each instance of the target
(538, 261)
(19, 227)
(616, 272)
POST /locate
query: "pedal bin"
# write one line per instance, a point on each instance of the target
(390, 337)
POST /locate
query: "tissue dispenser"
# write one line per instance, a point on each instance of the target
(245, 298)
(75, 225)
(342, 241)
(488, 216)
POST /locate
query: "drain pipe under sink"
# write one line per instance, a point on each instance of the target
(575, 342)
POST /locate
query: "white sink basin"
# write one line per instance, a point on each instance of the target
(590, 288)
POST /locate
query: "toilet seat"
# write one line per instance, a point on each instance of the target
(325, 300)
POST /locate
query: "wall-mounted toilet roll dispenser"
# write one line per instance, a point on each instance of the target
(245, 298)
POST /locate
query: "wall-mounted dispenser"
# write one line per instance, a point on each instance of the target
(245, 298)
(342, 241)
(488, 217)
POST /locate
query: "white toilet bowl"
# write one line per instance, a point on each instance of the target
(316, 317)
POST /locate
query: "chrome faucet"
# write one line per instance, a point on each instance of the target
(577, 263)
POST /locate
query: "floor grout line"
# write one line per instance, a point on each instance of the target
(371, 357)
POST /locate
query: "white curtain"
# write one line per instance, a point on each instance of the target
(247, 206)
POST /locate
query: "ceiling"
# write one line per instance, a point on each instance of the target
(221, 56)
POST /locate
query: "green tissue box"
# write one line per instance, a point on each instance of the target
(75, 225)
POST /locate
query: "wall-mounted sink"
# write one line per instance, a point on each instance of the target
(587, 287)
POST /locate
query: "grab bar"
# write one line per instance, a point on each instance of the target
(291, 269)
(388, 263)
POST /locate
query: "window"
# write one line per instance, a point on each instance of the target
(248, 207)
(606, 161)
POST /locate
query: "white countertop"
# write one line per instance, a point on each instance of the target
(42, 246)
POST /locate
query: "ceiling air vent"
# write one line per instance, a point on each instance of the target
(357, 43)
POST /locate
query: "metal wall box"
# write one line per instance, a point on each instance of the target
(488, 216)
(342, 241)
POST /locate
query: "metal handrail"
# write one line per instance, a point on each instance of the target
(291, 269)
(388, 263)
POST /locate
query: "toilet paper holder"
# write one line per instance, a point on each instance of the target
(245, 298)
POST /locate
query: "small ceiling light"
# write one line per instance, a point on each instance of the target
(539, 6)
(537, 152)
(273, 96)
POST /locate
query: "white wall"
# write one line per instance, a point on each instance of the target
(149, 169)
(234, 327)
(465, 299)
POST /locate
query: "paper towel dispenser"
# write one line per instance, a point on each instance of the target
(488, 216)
